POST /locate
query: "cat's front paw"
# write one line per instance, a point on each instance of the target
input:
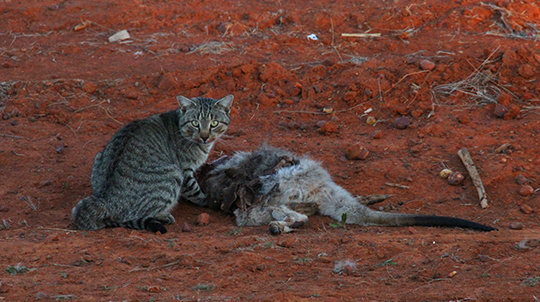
(199, 200)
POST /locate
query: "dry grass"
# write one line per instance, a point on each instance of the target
(480, 86)
(213, 47)
(512, 25)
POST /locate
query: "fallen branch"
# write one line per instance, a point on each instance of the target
(397, 185)
(361, 35)
(154, 268)
(372, 199)
(471, 168)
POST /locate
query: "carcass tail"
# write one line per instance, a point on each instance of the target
(394, 219)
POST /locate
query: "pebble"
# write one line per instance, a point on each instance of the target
(455, 178)
(42, 296)
(377, 134)
(427, 65)
(357, 152)
(526, 209)
(521, 180)
(4, 208)
(500, 111)
(203, 219)
(516, 226)
(402, 122)
(445, 173)
(186, 228)
(526, 190)
(371, 120)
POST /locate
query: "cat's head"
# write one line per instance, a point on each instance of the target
(203, 120)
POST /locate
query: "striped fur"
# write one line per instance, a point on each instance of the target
(144, 169)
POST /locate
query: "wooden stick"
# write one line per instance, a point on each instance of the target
(397, 185)
(372, 199)
(471, 168)
(361, 35)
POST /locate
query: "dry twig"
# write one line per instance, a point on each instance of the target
(477, 181)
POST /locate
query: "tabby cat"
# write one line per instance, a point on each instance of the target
(149, 164)
(275, 187)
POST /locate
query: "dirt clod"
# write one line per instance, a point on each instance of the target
(203, 219)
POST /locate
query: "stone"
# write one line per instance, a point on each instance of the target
(455, 178)
(526, 209)
(526, 190)
(186, 228)
(500, 111)
(516, 226)
(402, 122)
(427, 65)
(357, 152)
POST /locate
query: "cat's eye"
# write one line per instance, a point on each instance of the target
(214, 123)
(195, 123)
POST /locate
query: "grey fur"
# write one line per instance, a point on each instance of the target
(144, 169)
(275, 187)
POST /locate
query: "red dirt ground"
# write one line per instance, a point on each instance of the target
(65, 90)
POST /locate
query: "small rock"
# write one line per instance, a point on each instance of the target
(14, 122)
(119, 36)
(42, 296)
(186, 228)
(455, 178)
(427, 65)
(526, 190)
(4, 208)
(516, 226)
(371, 120)
(500, 111)
(203, 219)
(525, 209)
(521, 180)
(377, 134)
(445, 173)
(45, 183)
(402, 122)
(533, 243)
(452, 274)
(357, 152)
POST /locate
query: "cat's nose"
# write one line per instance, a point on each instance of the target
(204, 136)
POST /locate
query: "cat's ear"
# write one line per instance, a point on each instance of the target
(185, 102)
(226, 102)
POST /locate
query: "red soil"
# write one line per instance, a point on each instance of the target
(65, 92)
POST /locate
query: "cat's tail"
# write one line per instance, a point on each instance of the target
(92, 213)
